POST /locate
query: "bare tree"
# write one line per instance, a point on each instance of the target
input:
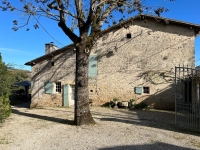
(86, 16)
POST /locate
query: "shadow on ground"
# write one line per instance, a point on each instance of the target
(23, 104)
(47, 118)
(156, 146)
(154, 118)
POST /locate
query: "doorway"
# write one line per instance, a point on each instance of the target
(68, 95)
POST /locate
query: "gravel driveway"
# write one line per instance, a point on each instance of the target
(51, 128)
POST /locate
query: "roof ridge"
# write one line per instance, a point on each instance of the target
(150, 16)
(120, 24)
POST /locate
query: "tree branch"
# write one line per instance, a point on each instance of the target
(106, 13)
(99, 19)
(51, 6)
(90, 15)
(79, 10)
(68, 32)
(80, 14)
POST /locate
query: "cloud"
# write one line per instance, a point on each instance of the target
(15, 51)
(10, 50)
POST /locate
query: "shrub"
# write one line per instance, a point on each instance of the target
(130, 103)
(109, 104)
(116, 99)
(5, 108)
(140, 105)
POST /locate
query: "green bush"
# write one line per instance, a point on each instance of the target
(110, 104)
(116, 99)
(140, 105)
(130, 103)
(5, 108)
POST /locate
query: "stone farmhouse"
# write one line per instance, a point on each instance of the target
(134, 59)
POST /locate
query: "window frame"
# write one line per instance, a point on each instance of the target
(146, 90)
(58, 87)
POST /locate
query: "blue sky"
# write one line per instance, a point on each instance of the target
(22, 46)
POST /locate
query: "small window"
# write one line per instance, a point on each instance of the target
(146, 90)
(128, 36)
(58, 87)
(52, 63)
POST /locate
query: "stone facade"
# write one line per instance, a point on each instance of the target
(62, 70)
(135, 60)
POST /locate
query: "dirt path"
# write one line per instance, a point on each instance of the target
(52, 129)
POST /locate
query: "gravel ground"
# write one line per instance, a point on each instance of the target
(51, 128)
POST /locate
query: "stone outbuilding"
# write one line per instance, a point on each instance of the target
(134, 59)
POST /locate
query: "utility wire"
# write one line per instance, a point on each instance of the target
(44, 28)
(197, 60)
(47, 31)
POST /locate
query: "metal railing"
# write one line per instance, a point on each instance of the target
(187, 106)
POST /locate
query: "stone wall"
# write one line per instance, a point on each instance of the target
(62, 71)
(147, 59)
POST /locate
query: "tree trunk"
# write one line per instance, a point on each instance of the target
(82, 113)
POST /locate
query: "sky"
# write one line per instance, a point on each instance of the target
(19, 47)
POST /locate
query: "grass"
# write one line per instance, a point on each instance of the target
(4, 141)
(178, 138)
(195, 143)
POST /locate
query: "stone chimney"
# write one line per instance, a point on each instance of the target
(50, 47)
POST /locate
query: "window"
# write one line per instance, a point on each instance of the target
(128, 36)
(58, 87)
(140, 90)
(146, 90)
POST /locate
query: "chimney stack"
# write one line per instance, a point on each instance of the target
(50, 47)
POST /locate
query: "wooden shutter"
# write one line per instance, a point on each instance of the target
(48, 87)
(138, 90)
(92, 70)
(65, 95)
